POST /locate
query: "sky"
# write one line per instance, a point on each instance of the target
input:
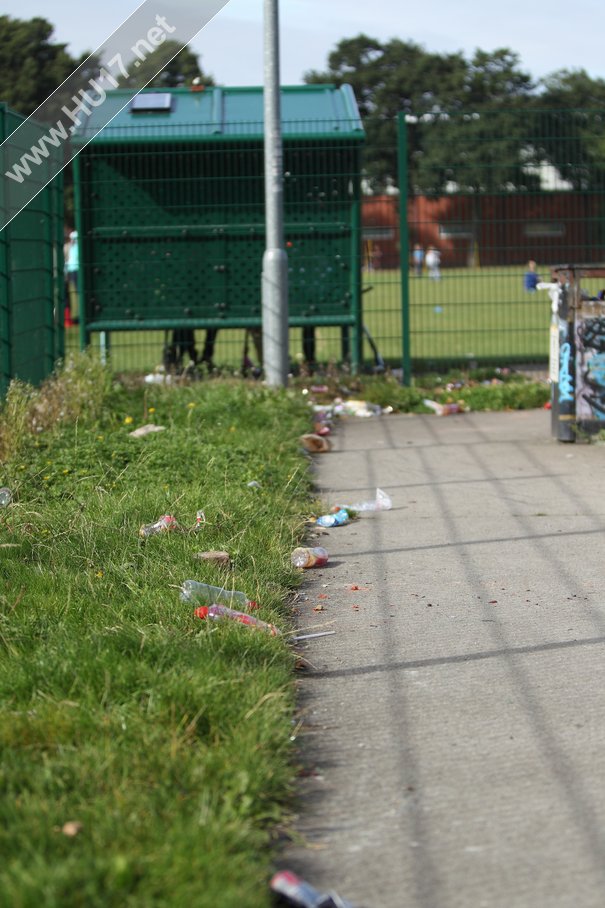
(547, 36)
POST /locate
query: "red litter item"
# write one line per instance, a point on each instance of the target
(298, 892)
(223, 611)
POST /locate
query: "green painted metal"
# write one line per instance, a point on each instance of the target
(31, 279)
(172, 222)
(404, 249)
(223, 114)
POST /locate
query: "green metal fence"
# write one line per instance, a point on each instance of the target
(488, 191)
(31, 281)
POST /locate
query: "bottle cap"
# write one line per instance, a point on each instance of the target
(252, 604)
(201, 611)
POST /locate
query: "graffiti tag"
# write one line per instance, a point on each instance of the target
(565, 376)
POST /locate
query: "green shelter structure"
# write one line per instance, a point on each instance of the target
(31, 270)
(170, 210)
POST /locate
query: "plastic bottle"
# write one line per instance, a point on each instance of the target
(223, 611)
(334, 520)
(304, 557)
(6, 496)
(194, 591)
(165, 524)
(382, 502)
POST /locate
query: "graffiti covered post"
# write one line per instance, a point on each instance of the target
(577, 352)
(563, 389)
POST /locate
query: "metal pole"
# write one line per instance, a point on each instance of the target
(275, 261)
(404, 247)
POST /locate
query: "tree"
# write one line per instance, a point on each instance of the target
(433, 90)
(182, 69)
(388, 78)
(31, 65)
(570, 110)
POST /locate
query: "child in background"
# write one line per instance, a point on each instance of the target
(531, 278)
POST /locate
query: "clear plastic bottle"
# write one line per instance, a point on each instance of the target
(6, 496)
(165, 524)
(305, 557)
(223, 611)
(206, 594)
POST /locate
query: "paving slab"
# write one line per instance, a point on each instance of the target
(452, 730)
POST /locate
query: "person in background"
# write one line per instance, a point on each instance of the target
(72, 267)
(418, 259)
(531, 278)
(433, 263)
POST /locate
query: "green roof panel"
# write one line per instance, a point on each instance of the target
(220, 113)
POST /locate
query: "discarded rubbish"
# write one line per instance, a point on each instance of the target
(316, 634)
(218, 557)
(361, 408)
(316, 444)
(254, 484)
(200, 520)
(166, 523)
(444, 409)
(305, 557)
(204, 593)
(223, 611)
(158, 378)
(146, 430)
(334, 520)
(382, 502)
(299, 892)
(6, 496)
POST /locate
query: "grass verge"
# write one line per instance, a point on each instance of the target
(162, 741)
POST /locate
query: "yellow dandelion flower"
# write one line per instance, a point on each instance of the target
(99, 574)
(191, 405)
(66, 470)
(151, 410)
(128, 420)
(46, 478)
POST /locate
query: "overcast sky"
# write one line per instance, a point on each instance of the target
(547, 35)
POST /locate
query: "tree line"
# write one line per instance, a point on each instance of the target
(480, 123)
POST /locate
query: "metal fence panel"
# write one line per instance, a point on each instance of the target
(31, 282)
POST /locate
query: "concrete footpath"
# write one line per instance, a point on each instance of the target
(453, 728)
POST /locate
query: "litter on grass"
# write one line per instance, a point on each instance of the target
(219, 612)
(149, 429)
(165, 524)
(215, 556)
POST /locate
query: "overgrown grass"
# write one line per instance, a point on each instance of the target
(165, 739)
(479, 389)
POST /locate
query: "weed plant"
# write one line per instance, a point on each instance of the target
(146, 755)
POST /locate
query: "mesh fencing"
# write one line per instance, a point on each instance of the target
(174, 236)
